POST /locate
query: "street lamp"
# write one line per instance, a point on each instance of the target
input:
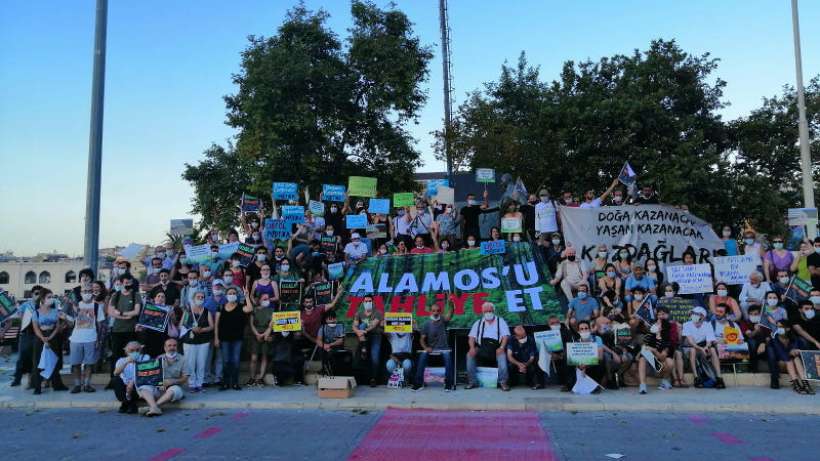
(805, 154)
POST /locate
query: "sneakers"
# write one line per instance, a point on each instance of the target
(719, 384)
(89, 388)
(76, 389)
(698, 383)
(642, 389)
(470, 386)
(665, 385)
(416, 387)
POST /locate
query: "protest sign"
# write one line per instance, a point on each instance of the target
(692, 278)
(510, 225)
(493, 247)
(623, 334)
(647, 231)
(356, 221)
(446, 195)
(433, 185)
(249, 204)
(7, 307)
(290, 293)
(735, 270)
(361, 186)
(646, 311)
(182, 226)
(402, 199)
(377, 231)
(276, 229)
(286, 321)
(154, 317)
(226, 250)
(285, 191)
(379, 206)
(316, 208)
(485, 175)
(799, 290)
(802, 216)
(579, 353)
(148, 373)
(198, 253)
(517, 283)
(333, 193)
(335, 271)
(627, 175)
(811, 363)
(398, 322)
(551, 339)
(322, 293)
(293, 210)
(679, 308)
(245, 253)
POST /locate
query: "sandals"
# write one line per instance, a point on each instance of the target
(807, 387)
(680, 384)
(797, 386)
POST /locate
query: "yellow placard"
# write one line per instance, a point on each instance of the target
(286, 321)
(398, 322)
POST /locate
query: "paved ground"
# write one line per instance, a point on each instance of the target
(400, 435)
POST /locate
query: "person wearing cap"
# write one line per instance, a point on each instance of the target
(522, 356)
(570, 274)
(488, 340)
(356, 250)
(546, 214)
(700, 342)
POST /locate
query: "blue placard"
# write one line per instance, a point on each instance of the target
(379, 206)
(432, 186)
(293, 210)
(333, 193)
(285, 191)
(356, 221)
(335, 271)
(276, 229)
(497, 247)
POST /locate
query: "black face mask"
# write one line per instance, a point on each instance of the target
(571, 257)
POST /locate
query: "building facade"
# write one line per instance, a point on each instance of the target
(19, 276)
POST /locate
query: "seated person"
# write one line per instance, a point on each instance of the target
(582, 307)
(699, 342)
(756, 336)
(781, 284)
(558, 361)
(433, 340)
(287, 359)
(807, 326)
(727, 331)
(640, 299)
(125, 376)
(570, 273)
(488, 340)
(596, 372)
(610, 287)
(523, 358)
(401, 348)
(657, 342)
(721, 296)
(638, 279)
(173, 378)
(753, 292)
(783, 351)
(331, 339)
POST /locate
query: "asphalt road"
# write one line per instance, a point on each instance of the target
(322, 435)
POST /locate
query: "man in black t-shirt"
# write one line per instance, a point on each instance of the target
(807, 326)
(471, 212)
(813, 261)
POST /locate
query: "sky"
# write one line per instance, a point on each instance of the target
(170, 63)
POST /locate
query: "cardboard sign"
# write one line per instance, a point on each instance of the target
(149, 373)
(811, 363)
(286, 321)
(799, 290)
(490, 247)
(285, 191)
(679, 308)
(290, 293)
(551, 339)
(446, 195)
(510, 225)
(434, 184)
(398, 322)
(245, 253)
(582, 353)
(249, 204)
(403, 199)
(356, 221)
(276, 229)
(322, 293)
(333, 193)
(7, 307)
(379, 206)
(692, 278)
(335, 271)
(485, 175)
(182, 226)
(735, 270)
(316, 208)
(154, 317)
(361, 186)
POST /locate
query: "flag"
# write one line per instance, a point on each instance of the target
(627, 175)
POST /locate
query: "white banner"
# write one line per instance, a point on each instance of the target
(646, 231)
(735, 270)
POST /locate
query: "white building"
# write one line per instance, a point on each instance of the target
(18, 277)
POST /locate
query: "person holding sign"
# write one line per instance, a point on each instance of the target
(488, 342)
(196, 331)
(546, 214)
(433, 340)
(596, 372)
(88, 318)
(125, 375)
(230, 330)
(368, 326)
(173, 378)
(699, 342)
(154, 339)
(784, 352)
(331, 340)
(401, 348)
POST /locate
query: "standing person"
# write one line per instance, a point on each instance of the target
(86, 277)
(167, 288)
(124, 307)
(523, 358)
(647, 196)
(25, 341)
(471, 212)
(783, 350)
(47, 324)
(260, 326)
(582, 307)
(433, 340)
(546, 214)
(197, 341)
(254, 269)
(230, 329)
(125, 376)
(368, 326)
(488, 340)
(264, 286)
(528, 211)
(801, 263)
(88, 317)
(446, 223)
(589, 197)
(729, 243)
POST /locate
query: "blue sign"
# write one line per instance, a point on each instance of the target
(285, 191)
(497, 247)
(276, 229)
(333, 193)
(379, 206)
(356, 221)
(335, 271)
(432, 186)
(293, 210)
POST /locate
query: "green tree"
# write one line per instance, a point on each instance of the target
(311, 110)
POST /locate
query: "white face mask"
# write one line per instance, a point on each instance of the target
(585, 334)
(218, 292)
(694, 318)
(516, 238)
(232, 298)
(602, 254)
(654, 329)
(522, 340)
(206, 274)
(556, 242)
(783, 280)
(638, 297)
(471, 202)
(87, 296)
(781, 331)
(669, 294)
(171, 355)
(815, 300)
(471, 243)
(809, 314)
(722, 292)
(265, 303)
(235, 263)
(555, 327)
(435, 317)
(198, 302)
(284, 268)
(489, 316)
(332, 325)
(754, 318)
(261, 257)
(771, 302)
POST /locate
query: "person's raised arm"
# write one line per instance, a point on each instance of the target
(609, 190)
(332, 304)
(248, 303)
(447, 314)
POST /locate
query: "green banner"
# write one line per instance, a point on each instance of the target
(516, 282)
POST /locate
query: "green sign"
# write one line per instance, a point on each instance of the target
(402, 199)
(361, 186)
(7, 307)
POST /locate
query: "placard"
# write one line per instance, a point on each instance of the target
(335, 271)
(434, 184)
(493, 247)
(249, 204)
(197, 253)
(290, 293)
(293, 214)
(811, 363)
(7, 307)
(485, 175)
(646, 312)
(333, 193)
(356, 221)
(276, 229)
(377, 231)
(153, 317)
(692, 278)
(322, 293)
(403, 199)
(379, 206)
(182, 226)
(446, 195)
(226, 250)
(579, 353)
(487, 377)
(316, 208)
(361, 186)
(285, 191)
(551, 339)
(286, 321)
(398, 322)
(148, 373)
(623, 334)
(245, 253)
(510, 225)
(735, 270)
(799, 290)
(802, 216)
(679, 308)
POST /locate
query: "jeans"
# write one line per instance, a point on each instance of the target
(25, 346)
(374, 346)
(214, 366)
(406, 365)
(230, 361)
(472, 368)
(449, 369)
(196, 361)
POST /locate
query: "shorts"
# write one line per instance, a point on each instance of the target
(82, 353)
(178, 393)
(261, 348)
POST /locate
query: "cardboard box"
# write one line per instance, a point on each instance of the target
(339, 387)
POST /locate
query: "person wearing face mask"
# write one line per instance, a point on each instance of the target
(559, 370)
(420, 247)
(721, 296)
(170, 290)
(658, 343)
(583, 307)
(206, 278)
(653, 271)
(522, 356)
(86, 277)
(433, 341)
(196, 333)
(512, 213)
(252, 272)
(617, 198)
(471, 243)
(261, 343)
(446, 224)
(806, 326)
(784, 351)
(729, 243)
(423, 222)
(152, 340)
(570, 274)
(230, 329)
(756, 336)
(401, 352)
(25, 341)
(173, 378)
(546, 214)
(124, 307)
(213, 304)
(48, 323)
(488, 343)
(330, 337)
(251, 226)
(813, 263)
(330, 243)
(596, 372)
(124, 372)
(311, 315)
(778, 259)
(599, 263)
(87, 317)
(753, 292)
(568, 200)
(153, 269)
(781, 282)
(264, 285)
(647, 196)
(368, 326)
(699, 344)
(355, 251)
(528, 212)
(471, 212)
(801, 265)
(772, 310)
(590, 201)
(639, 279)
(609, 286)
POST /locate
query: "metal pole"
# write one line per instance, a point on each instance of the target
(92, 204)
(805, 154)
(445, 53)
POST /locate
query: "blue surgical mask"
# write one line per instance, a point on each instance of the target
(582, 294)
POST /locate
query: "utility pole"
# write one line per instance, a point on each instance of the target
(805, 154)
(92, 201)
(448, 99)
